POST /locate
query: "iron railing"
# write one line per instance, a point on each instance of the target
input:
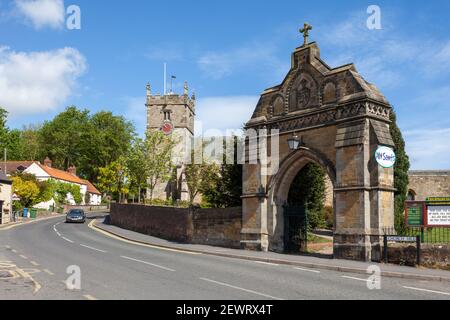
(428, 235)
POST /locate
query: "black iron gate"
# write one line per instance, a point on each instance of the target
(295, 229)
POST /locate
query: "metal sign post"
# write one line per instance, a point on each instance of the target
(401, 239)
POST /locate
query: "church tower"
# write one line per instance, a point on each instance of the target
(174, 115)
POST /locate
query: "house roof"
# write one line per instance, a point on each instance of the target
(91, 188)
(61, 175)
(13, 166)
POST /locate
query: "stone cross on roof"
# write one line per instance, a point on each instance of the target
(307, 27)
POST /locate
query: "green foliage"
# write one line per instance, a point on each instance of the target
(226, 191)
(113, 180)
(59, 190)
(200, 178)
(74, 137)
(62, 138)
(401, 178)
(27, 190)
(137, 167)
(158, 150)
(309, 188)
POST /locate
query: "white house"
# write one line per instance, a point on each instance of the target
(94, 196)
(5, 199)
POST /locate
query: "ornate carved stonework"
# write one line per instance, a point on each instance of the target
(329, 116)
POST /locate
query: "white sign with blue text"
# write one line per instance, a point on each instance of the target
(385, 157)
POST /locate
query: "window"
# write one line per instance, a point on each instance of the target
(411, 196)
(167, 115)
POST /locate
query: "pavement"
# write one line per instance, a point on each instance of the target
(38, 259)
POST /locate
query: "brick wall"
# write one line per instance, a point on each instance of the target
(217, 227)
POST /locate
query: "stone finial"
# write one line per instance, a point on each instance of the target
(149, 89)
(193, 96)
(186, 88)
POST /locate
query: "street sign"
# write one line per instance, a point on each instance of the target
(401, 239)
(415, 213)
(385, 157)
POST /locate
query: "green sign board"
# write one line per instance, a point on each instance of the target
(415, 213)
(438, 201)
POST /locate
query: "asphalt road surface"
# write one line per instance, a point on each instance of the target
(34, 262)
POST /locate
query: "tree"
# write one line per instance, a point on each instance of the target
(200, 178)
(227, 190)
(401, 177)
(31, 148)
(62, 138)
(28, 191)
(110, 137)
(158, 159)
(74, 137)
(113, 179)
(137, 166)
(309, 188)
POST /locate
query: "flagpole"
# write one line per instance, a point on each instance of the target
(165, 78)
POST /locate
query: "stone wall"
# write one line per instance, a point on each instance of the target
(431, 256)
(424, 184)
(162, 222)
(217, 227)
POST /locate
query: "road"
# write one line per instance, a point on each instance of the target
(34, 260)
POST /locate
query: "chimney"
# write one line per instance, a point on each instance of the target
(72, 170)
(48, 162)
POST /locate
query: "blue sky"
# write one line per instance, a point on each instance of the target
(229, 52)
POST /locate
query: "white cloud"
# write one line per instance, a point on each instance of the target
(225, 113)
(42, 13)
(428, 148)
(36, 82)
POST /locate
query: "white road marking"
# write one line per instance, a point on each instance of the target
(14, 251)
(92, 248)
(267, 263)
(34, 263)
(93, 227)
(23, 257)
(425, 290)
(148, 263)
(353, 278)
(48, 272)
(241, 289)
(307, 270)
(68, 240)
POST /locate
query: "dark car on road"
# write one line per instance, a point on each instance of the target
(76, 216)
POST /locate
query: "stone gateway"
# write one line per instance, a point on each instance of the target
(342, 120)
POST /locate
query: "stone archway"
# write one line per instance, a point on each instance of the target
(279, 189)
(342, 120)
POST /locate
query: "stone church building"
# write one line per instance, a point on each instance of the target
(174, 115)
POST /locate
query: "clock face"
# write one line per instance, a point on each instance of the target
(167, 128)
